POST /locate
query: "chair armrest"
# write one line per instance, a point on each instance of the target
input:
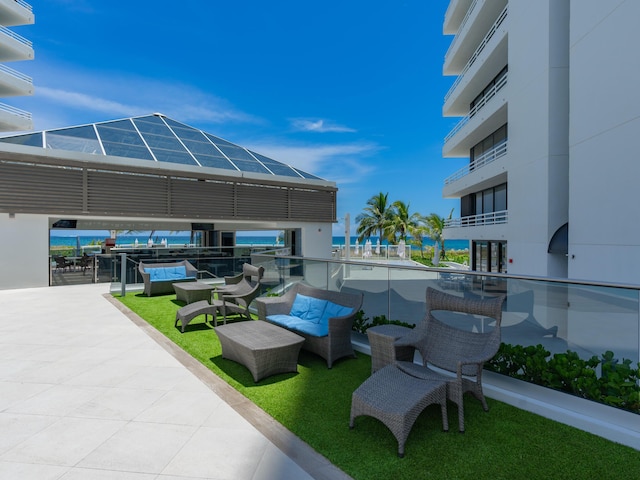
(411, 339)
(340, 324)
(233, 280)
(272, 306)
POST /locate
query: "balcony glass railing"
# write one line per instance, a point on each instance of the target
(479, 162)
(586, 318)
(491, 218)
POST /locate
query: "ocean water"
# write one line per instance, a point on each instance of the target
(180, 240)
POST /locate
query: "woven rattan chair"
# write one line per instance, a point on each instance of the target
(462, 352)
(238, 300)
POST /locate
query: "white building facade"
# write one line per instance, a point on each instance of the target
(13, 48)
(547, 95)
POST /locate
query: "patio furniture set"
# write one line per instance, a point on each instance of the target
(320, 321)
(400, 389)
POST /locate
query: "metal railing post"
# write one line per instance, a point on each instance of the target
(123, 274)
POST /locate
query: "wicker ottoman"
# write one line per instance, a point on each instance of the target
(396, 399)
(263, 348)
(383, 351)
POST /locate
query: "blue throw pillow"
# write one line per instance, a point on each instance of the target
(176, 273)
(308, 308)
(334, 310)
(156, 274)
(300, 306)
(316, 310)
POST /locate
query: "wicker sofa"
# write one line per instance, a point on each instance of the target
(159, 277)
(324, 318)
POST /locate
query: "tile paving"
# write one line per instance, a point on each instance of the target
(89, 391)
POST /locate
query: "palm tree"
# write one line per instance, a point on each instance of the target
(418, 233)
(401, 222)
(375, 218)
(435, 225)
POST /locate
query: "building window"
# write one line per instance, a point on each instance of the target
(488, 91)
(489, 256)
(491, 200)
(489, 143)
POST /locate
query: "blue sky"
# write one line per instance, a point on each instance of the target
(349, 90)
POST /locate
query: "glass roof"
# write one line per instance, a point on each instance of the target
(157, 138)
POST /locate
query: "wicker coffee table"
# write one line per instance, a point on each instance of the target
(190, 292)
(397, 399)
(263, 348)
(383, 351)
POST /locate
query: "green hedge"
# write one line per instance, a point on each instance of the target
(605, 379)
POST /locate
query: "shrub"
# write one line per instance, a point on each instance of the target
(362, 323)
(618, 384)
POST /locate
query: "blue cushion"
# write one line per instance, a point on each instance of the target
(316, 310)
(283, 320)
(300, 306)
(310, 328)
(334, 310)
(157, 274)
(176, 273)
(160, 274)
(308, 308)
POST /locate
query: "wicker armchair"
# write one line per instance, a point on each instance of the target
(240, 282)
(462, 352)
(239, 299)
(337, 343)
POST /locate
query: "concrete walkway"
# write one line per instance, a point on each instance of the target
(88, 391)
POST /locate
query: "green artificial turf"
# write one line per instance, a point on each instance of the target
(504, 443)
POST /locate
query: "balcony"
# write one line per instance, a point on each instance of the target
(13, 47)
(485, 117)
(455, 15)
(485, 159)
(477, 74)
(455, 20)
(13, 83)
(484, 18)
(15, 12)
(491, 218)
(14, 119)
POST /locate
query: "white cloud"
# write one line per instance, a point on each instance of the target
(76, 93)
(318, 125)
(85, 101)
(340, 163)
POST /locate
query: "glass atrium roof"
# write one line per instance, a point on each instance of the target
(157, 138)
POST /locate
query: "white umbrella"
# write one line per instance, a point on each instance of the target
(401, 249)
(367, 248)
(378, 247)
(355, 251)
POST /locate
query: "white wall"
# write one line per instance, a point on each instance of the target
(604, 223)
(316, 240)
(24, 251)
(538, 129)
